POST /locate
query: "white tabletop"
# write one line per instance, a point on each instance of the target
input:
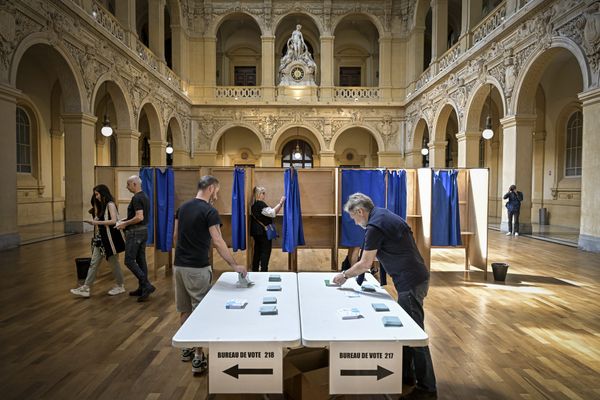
(321, 324)
(211, 322)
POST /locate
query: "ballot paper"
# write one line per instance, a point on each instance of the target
(235, 304)
(367, 287)
(268, 310)
(391, 321)
(349, 313)
(244, 282)
(331, 283)
(380, 307)
(274, 288)
(269, 300)
(274, 278)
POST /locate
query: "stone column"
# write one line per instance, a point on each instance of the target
(79, 169)
(210, 66)
(158, 154)
(125, 13)
(495, 166)
(327, 158)
(156, 28)
(589, 233)
(327, 67)
(268, 67)
(181, 157)
(9, 235)
(516, 164)
(413, 159)
(57, 145)
(385, 67)
(127, 147)
(468, 149)
(179, 55)
(437, 154)
(205, 157)
(537, 196)
(267, 159)
(439, 34)
(471, 15)
(390, 159)
(416, 48)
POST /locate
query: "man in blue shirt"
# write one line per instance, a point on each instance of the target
(389, 239)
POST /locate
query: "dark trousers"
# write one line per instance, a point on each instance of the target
(262, 253)
(416, 361)
(515, 215)
(135, 255)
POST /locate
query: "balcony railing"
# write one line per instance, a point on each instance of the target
(356, 93)
(146, 55)
(449, 57)
(424, 78)
(489, 23)
(238, 92)
(108, 21)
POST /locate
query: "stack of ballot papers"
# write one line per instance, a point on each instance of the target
(367, 287)
(391, 321)
(269, 300)
(268, 310)
(330, 283)
(236, 304)
(274, 278)
(379, 307)
(274, 288)
(349, 313)
(244, 282)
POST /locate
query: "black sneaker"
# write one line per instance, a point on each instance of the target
(137, 292)
(146, 293)
(199, 364)
(187, 354)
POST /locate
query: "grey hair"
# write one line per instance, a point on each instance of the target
(206, 181)
(135, 179)
(359, 200)
(257, 190)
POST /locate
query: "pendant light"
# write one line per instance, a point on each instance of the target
(106, 129)
(488, 133)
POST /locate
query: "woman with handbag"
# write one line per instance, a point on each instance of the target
(107, 241)
(262, 228)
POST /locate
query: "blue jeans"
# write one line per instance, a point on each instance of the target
(135, 255)
(417, 361)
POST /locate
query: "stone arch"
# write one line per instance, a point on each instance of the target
(476, 102)
(374, 20)
(175, 12)
(216, 24)
(420, 127)
(73, 87)
(533, 69)
(441, 120)
(219, 133)
(316, 139)
(373, 132)
(174, 123)
(421, 12)
(299, 11)
(156, 129)
(122, 104)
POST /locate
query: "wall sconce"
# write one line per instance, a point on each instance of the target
(106, 129)
(488, 133)
(297, 155)
(169, 148)
(424, 150)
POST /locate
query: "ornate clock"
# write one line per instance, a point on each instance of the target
(297, 73)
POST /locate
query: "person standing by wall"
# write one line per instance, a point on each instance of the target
(197, 223)
(513, 207)
(262, 216)
(389, 238)
(107, 241)
(136, 235)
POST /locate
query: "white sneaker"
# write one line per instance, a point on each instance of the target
(508, 233)
(83, 291)
(516, 233)
(116, 290)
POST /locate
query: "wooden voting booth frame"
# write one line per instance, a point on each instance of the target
(322, 207)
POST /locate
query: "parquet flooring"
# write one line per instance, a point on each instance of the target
(536, 336)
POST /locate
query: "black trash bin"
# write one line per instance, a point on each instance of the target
(83, 265)
(499, 270)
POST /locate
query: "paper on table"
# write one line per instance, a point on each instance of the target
(349, 313)
(236, 304)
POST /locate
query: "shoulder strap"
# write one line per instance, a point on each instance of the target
(257, 220)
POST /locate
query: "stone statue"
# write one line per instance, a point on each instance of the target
(296, 45)
(297, 67)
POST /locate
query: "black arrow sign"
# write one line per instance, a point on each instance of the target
(380, 372)
(236, 371)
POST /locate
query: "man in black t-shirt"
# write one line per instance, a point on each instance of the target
(389, 238)
(136, 235)
(197, 223)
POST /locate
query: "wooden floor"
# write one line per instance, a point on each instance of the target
(537, 336)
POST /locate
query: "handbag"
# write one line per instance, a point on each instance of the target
(115, 237)
(270, 229)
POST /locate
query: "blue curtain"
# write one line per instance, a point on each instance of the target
(396, 194)
(445, 217)
(238, 211)
(147, 176)
(293, 232)
(165, 209)
(369, 182)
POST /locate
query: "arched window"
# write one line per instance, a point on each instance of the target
(23, 141)
(574, 145)
(144, 151)
(297, 153)
(481, 152)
